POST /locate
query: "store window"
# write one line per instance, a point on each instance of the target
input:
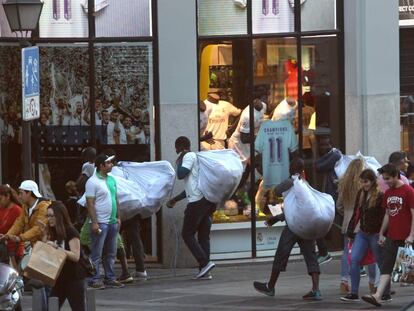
(222, 17)
(318, 15)
(126, 18)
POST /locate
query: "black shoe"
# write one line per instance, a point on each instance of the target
(386, 298)
(350, 297)
(313, 295)
(264, 289)
(371, 300)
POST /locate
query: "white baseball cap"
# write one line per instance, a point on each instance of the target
(30, 185)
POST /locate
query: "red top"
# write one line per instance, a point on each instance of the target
(7, 218)
(399, 202)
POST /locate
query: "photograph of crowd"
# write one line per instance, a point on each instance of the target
(122, 94)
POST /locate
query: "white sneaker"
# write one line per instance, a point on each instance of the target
(206, 277)
(206, 269)
(141, 276)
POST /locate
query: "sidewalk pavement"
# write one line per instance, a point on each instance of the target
(231, 289)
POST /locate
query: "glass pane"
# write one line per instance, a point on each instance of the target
(276, 84)
(10, 113)
(124, 100)
(64, 18)
(224, 73)
(318, 15)
(222, 17)
(273, 16)
(322, 114)
(133, 19)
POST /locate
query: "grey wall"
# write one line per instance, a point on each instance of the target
(178, 106)
(372, 77)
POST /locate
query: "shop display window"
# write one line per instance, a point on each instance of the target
(273, 16)
(222, 17)
(317, 15)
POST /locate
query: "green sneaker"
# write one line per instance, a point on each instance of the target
(313, 295)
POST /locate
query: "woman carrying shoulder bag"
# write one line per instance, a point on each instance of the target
(70, 284)
(364, 228)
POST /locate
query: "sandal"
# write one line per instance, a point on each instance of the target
(371, 299)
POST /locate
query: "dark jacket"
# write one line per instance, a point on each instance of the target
(326, 166)
(370, 217)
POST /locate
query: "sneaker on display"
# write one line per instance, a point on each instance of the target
(263, 288)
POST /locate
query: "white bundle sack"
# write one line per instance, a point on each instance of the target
(142, 188)
(308, 212)
(220, 172)
(343, 163)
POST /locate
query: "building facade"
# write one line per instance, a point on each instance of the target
(146, 66)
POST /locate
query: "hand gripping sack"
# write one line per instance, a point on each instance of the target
(309, 213)
(219, 175)
(343, 163)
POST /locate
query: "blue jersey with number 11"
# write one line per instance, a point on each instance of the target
(275, 141)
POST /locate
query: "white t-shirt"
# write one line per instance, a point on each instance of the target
(204, 115)
(97, 188)
(284, 111)
(218, 120)
(235, 143)
(190, 162)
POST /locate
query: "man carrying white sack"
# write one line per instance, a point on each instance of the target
(287, 240)
(197, 216)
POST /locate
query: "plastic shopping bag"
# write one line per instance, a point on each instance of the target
(309, 213)
(343, 163)
(368, 259)
(407, 265)
(142, 187)
(220, 172)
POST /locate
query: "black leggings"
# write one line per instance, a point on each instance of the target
(74, 291)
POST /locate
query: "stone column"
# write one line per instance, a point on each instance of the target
(178, 107)
(372, 87)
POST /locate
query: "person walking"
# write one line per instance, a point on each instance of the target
(103, 209)
(348, 188)
(286, 243)
(197, 216)
(70, 284)
(363, 228)
(398, 223)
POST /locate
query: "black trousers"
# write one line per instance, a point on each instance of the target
(132, 229)
(197, 219)
(286, 242)
(74, 291)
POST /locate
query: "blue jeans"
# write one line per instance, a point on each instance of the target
(344, 261)
(104, 245)
(362, 242)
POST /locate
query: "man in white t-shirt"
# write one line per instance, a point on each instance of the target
(285, 110)
(205, 111)
(197, 216)
(88, 168)
(240, 140)
(218, 122)
(103, 209)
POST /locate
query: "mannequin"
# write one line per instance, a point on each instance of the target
(218, 121)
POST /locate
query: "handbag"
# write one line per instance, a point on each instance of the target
(368, 259)
(86, 263)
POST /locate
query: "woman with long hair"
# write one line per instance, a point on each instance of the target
(364, 227)
(70, 284)
(10, 210)
(347, 191)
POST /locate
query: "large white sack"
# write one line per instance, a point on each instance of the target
(343, 163)
(308, 212)
(219, 175)
(141, 187)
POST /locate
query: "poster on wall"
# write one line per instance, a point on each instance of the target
(64, 18)
(273, 16)
(222, 17)
(69, 18)
(406, 9)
